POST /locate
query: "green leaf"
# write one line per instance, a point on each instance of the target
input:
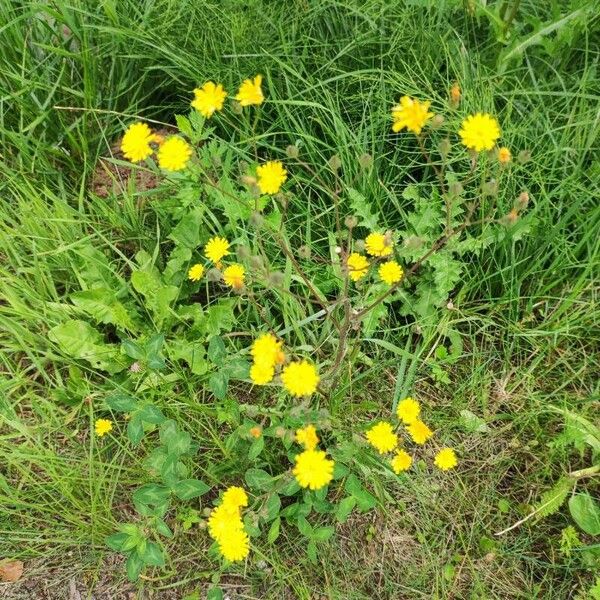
(218, 384)
(274, 530)
(135, 430)
(193, 353)
(370, 322)
(311, 551)
(553, 499)
(362, 209)
(216, 350)
(163, 528)
(134, 566)
(219, 317)
(472, 423)
(116, 540)
(151, 414)
(214, 593)
(187, 231)
(133, 350)
(187, 489)
(152, 555)
(364, 499)
(121, 402)
(257, 479)
(152, 493)
(179, 442)
(344, 508)
(304, 527)
(157, 295)
(322, 534)
(271, 507)
(184, 125)
(79, 340)
(585, 512)
(256, 448)
(102, 305)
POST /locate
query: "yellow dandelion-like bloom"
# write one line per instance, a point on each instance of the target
(102, 427)
(419, 432)
(307, 437)
(262, 373)
(265, 349)
(233, 276)
(300, 378)
(390, 272)
(377, 244)
(271, 176)
(446, 459)
(235, 497)
(209, 98)
(412, 114)
(504, 155)
(255, 432)
(135, 144)
(358, 266)
(235, 545)
(313, 469)
(408, 410)
(250, 92)
(222, 521)
(195, 273)
(401, 462)
(382, 437)
(216, 248)
(174, 154)
(479, 132)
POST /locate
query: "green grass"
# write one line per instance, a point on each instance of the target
(526, 307)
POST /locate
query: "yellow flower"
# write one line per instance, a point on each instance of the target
(233, 276)
(223, 520)
(265, 349)
(377, 244)
(357, 266)
(313, 469)
(504, 155)
(307, 436)
(209, 98)
(195, 273)
(216, 249)
(390, 272)
(419, 432)
(102, 427)
(479, 132)
(411, 114)
(235, 546)
(401, 462)
(382, 437)
(135, 144)
(250, 92)
(408, 410)
(174, 154)
(261, 373)
(235, 497)
(446, 459)
(300, 378)
(271, 176)
(255, 432)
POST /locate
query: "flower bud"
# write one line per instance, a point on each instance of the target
(338, 250)
(304, 252)
(279, 432)
(256, 219)
(213, 275)
(257, 262)
(523, 200)
(455, 94)
(237, 107)
(335, 162)
(437, 121)
(243, 252)
(444, 148)
(523, 157)
(455, 189)
(276, 279)
(490, 188)
(365, 160)
(248, 180)
(243, 167)
(292, 151)
(351, 221)
(359, 245)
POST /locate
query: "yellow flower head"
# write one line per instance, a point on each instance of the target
(358, 266)
(233, 276)
(135, 144)
(102, 427)
(235, 497)
(401, 462)
(216, 249)
(390, 272)
(209, 98)
(382, 437)
(504, 155)
(223, 520)
(174, 154)
(262, 373)
(419, 432)
(300, 378)
(408, 410)
(479, 132)
(446, 459)
(377, 244)
(307, 437)
(250, 92)
(195, 273)
(313, 469)
(265, 349)
(255, 432)
(271, 176)
(235, 545)
(411, 114)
